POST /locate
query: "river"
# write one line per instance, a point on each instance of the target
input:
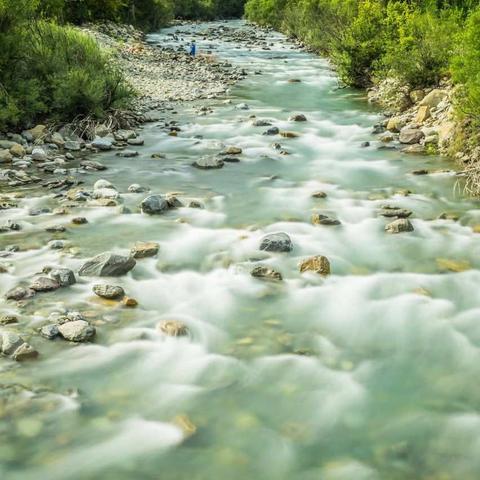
(368, 374)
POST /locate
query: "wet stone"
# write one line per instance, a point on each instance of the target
(19, 293)
(276, 242)
(24, 352)
(110, 292)
(145, 249)
(155, 205)
(390, 212)
(320, 219)
(44, 284)
(266, 273)
(127, 154)
(400, 225)
(49, 331)
(208, 163)
(77, 331)
(79, 221)
(107, 265)
(64, 276)
(8, 319)
(318, 264)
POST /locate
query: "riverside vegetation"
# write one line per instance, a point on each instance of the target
(410, 47)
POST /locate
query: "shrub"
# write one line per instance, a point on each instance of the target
(55, 72)
(419, 54)
(465, 67)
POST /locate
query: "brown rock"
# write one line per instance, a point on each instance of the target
(318, 264)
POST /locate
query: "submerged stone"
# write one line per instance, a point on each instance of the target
(173, 328)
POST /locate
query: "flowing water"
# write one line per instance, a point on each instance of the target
(370, 373)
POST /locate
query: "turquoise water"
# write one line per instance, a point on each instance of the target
(368, 374)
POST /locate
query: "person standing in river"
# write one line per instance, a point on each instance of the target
(193, 48)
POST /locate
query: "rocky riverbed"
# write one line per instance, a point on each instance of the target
(227, 286)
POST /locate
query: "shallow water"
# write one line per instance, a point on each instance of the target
(371, 373)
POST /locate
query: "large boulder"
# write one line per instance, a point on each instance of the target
(410, 135)
(434, 98)
(155, 205)
(276, 242)
(107, 264)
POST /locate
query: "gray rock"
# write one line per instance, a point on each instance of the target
(56, 244)
(44, 284)
(410, 135)
(300, 117)
(39, 154)
(19, 293)
(276, 242)
(10, 342)
(102, 183)
(208, 163)
(91, 165)
(320, 219)
(102, 143)
(24, 352)
(127, 154)
(261, 123)
(272, 131)
(5, 156)
(108, 291)
(63, 276)
(49, 331)
(390, 212)
(136, 188)
(155, 205)
(124, 135)
(107, 265)
(136, 142)
(399, 226)
(72, 145)
(77, 331)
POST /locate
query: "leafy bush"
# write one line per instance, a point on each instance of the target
(421, 52)
(55, 72)
(466, 67)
